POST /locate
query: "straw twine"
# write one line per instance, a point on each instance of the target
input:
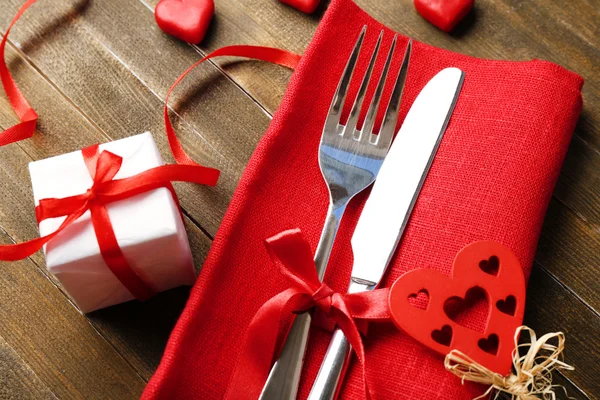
(532, 377)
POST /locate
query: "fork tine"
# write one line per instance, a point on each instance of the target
(386, 133)
(372, 113)
(355, 113)
(335, 110)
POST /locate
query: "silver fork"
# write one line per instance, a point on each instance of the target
(350, 159)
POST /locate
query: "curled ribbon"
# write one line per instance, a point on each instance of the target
(103, 168)
(291, 253)
(24, 111)
(532, 375)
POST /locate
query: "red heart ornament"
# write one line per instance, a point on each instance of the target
(444, 14)
(187, 20)
(306, 6)
(487, 266)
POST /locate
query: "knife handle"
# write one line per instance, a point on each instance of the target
(333, 368)
(284, 377)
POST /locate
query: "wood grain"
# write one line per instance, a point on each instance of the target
(99, 70)
(17, 379)
(551, 308)
(47, 331)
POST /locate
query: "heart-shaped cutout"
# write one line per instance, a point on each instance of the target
(490, 266)
(187, 20)
(489, 345)
(443, 336)
(419, 300)
(467, 281)
(508, 305)
(306, 6)
(471, 311)
(444, 14)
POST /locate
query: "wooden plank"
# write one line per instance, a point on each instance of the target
(568, 36)
(226, 125)
(552, 308)
(55, 340)
(144, 355)
(570, 250)
(578, 186)
(100, 17)
(17, 379)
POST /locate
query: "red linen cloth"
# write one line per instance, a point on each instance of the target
(492, 179)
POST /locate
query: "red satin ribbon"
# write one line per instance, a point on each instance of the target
(22, 108)
(101, 172)
(103, 167)
(290, 251)
(269, 54)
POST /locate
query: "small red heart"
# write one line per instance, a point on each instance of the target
(490, 266)
(491, 347)
(444, 14)
(306, 6)
(419, 300)
(187, 20)
(508, 305)
(443, 336)
(470, 311)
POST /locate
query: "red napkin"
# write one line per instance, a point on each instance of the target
(492, 179)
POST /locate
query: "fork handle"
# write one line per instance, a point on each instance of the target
(284, 377)
(335, 363)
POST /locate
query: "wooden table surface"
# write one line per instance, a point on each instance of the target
(98, 70)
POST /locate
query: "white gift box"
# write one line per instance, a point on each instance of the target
(148, 228)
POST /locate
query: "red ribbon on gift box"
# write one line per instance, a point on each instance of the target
(291, 253)
(103, 168)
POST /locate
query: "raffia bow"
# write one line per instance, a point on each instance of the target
(532, 377)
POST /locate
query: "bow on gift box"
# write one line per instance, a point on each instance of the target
(103, 168)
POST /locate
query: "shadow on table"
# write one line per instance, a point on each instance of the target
(466, 25)
(142, 328)
(75, 10)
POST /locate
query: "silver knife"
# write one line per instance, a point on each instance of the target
(388, 208)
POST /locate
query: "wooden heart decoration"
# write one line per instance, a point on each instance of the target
(430, 325)
(187, 20)
(444, 14)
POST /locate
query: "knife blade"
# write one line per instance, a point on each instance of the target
(388, 208)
